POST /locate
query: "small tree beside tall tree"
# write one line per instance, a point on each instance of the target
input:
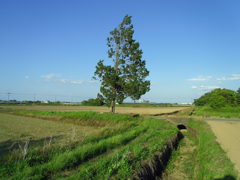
(126, 75)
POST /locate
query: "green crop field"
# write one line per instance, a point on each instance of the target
(77, 145)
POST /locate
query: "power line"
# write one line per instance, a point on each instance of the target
(8, 94)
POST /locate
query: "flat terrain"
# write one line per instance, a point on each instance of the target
(14, 129)
(228, 135)
(84, 145)
(125, 110)
(104, 145)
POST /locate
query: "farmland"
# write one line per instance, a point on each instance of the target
(123, 110)
(77, 145)
(83, 142)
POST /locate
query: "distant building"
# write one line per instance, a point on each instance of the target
(45, 102)
(142, 101)
(185, 103)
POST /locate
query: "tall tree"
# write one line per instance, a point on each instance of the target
(125, 76)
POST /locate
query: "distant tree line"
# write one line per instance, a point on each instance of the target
(37, 102)
(219, 98)
(98, 101)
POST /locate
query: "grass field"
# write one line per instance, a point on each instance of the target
(123, 110)
(84, 145)
(65, 144)
(224, 112)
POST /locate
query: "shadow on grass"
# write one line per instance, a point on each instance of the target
(11, 145)
(227, 177)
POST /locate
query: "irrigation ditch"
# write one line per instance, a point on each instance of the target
(154, 168)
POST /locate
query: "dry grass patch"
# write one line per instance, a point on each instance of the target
(14, 129)
(122, 110)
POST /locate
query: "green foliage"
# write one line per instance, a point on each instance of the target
(238, 97)
(99, 101)
(217, 101)
(126, 76)
(217, 98)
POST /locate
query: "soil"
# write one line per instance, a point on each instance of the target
(228, 136)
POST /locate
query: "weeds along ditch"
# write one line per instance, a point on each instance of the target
(117, 152)
(210, 160)
(203, 157)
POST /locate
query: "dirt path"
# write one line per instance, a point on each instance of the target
(228, 135)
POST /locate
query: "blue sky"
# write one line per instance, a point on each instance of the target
(49, 48)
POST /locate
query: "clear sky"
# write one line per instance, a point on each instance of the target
(49, 48)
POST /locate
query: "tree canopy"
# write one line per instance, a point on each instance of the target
(98, 101)
(219, 98)
(126, 74)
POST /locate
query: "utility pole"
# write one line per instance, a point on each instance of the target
(8, 94)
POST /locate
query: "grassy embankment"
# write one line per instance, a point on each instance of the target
(207, 160)
(116, 152)
(224, 112)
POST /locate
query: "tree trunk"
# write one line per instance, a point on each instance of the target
(113, 103)
(112, 108)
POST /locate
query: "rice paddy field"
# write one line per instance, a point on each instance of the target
(63, 142)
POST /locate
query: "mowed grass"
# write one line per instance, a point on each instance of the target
(114, 150)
